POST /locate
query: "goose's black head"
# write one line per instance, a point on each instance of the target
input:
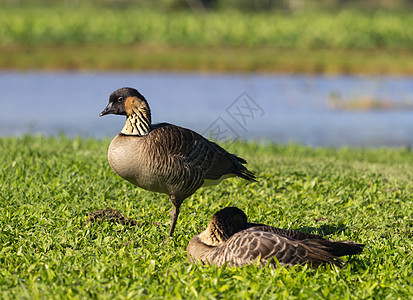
(229, 220)
(123, 100)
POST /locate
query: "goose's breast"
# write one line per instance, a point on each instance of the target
(128, 157)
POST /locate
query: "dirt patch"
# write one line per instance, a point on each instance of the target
(110, 215)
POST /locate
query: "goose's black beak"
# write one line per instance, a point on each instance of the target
(108, 110)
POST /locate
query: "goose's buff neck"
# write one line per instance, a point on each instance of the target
(138, 117)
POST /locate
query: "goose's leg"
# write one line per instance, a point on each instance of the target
(174, 218)
(174, 214)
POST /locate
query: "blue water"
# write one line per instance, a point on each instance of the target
(281, 108)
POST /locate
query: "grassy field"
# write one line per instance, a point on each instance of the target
(50, 185)
(94, 37)
(347, 29)
(211, 59)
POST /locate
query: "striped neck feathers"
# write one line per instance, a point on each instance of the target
(138, 117)
(213, 235)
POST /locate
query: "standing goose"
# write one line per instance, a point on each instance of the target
(230, 239)
(163, 157)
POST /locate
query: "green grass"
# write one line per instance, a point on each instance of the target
(187, 58)
(48, 186)
(345, 29)
(99, 37)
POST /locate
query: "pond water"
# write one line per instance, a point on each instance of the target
(310, 110)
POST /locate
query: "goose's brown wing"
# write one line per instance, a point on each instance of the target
(214, 160)
(339, 248)
(294, 234)
(188, 158)
(247, 247)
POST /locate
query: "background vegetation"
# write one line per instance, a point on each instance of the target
(323, 37)
(240, 5)
(346, 29)
(48, 186)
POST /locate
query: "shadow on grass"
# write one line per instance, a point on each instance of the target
(323, 230)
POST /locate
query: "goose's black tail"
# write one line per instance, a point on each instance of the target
(242, 171)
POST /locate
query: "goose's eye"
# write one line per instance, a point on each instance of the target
(120, 99)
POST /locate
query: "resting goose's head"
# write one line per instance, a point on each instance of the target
(223, 225)
(129, 102)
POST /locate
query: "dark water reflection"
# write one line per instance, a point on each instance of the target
(281, 108)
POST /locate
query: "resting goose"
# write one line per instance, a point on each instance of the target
(163, 157)
(230, 239)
